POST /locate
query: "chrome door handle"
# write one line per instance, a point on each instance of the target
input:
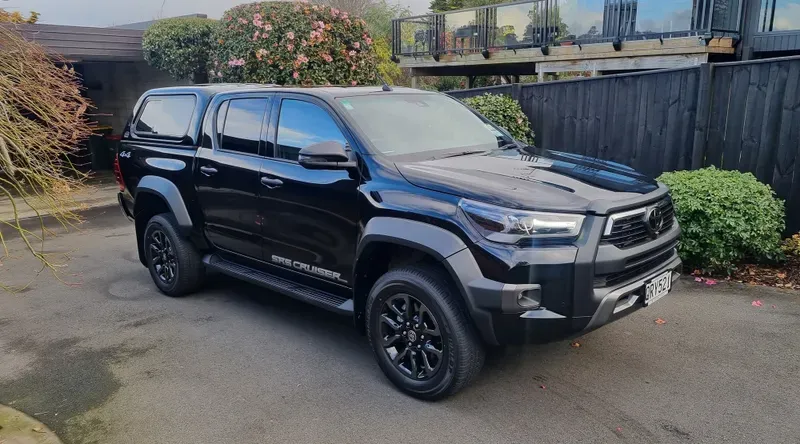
(271, 183)
(208, 171)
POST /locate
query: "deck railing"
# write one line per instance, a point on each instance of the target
(537, 23)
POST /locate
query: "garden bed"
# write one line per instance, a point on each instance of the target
(785, 275)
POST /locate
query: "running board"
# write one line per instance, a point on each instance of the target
(328, 301)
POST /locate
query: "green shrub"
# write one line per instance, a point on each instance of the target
(504, 112)
(726, 216)
(180, 46)
(791, 246)
(292, 43)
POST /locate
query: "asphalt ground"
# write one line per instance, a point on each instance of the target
(100, 356)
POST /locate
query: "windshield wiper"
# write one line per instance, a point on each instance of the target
(461, 153)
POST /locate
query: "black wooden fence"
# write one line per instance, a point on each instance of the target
(741, 115)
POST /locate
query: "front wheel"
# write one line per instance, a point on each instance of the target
(421, 334)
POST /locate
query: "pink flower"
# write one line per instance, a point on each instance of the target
(698, 279)
(219, 74)
(344, 16)
(711, 282)
(290, 47)
(290, 35)
(304, 43)
(275, 45)
(352, 53)
(327, 58)
(257, 16)
(334, 11)
(368, 40)
(756, 303)
(354, 83)
(255, 36)
(267, 27)
(352, 67)
(357, 45)
(236, 62)
(295, 74)
(321, 24)
(257, 23)
(243, 21)
(264, 35)
(269, 61)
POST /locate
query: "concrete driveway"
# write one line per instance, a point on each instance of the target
(113, 361)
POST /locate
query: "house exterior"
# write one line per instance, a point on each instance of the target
(598, 36)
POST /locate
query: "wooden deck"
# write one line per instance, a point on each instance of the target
(596, 57)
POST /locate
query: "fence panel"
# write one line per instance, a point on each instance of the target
(741, 116)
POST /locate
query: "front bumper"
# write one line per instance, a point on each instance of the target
(581, 286)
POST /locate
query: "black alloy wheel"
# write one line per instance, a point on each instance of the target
(163, 258)
(411, 337)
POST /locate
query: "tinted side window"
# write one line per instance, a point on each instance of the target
(221, 113)
(242, 130)
(302, 124)
(166, 115)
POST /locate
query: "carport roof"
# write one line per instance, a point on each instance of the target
(86, 44)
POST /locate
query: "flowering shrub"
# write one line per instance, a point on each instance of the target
(725, 216)
(292, 43)
(505, 112)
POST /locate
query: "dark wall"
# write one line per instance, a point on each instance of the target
(741, 115)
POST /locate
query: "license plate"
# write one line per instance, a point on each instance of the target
(657, 288)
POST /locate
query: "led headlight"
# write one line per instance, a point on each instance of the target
(509, 226)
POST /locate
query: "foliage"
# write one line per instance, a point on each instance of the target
(791, 246)
(505, 112)
(388, 70)
(42, 121)
(180, 46)
(17, 17)
(725, 216)
(379, 15)
(292, 43)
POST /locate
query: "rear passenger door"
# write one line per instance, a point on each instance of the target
(227, 173)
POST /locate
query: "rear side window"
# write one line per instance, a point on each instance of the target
(166, 115)
(242, 128)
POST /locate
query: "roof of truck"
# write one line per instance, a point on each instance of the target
(322, 91)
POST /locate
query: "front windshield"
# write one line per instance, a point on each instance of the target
(402, 124)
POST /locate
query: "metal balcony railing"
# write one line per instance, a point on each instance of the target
(537, 23)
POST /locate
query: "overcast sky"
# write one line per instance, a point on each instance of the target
(119, 12)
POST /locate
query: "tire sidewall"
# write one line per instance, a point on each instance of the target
(159, 223)
(385, 289)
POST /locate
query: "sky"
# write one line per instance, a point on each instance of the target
(119, 12)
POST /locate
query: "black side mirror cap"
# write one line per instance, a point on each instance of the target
(327, 155)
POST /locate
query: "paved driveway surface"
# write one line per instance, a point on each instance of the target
(113, 361)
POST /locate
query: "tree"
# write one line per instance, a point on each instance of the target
(293, 43)
(180, 46)
(42, 121)
(17, 17)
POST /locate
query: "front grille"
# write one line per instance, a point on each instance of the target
(635, 269)
(630, 231)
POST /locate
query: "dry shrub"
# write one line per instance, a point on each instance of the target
(42, 122)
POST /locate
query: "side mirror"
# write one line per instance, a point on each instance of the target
(328, 155)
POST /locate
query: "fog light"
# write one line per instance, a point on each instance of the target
(529, 298)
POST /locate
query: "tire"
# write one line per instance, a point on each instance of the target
(186, 271)
(430, 293)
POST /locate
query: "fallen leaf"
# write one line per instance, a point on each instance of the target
(542, 387)
(698, 279)
(711, 282)
(660, 321)
(38, 429)
(697, 272)
(576, 344)
(773, 306)
(757, 303)
(619, 429)
(779, 285)
(781, 275)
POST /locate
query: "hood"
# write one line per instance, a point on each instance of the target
(530, 178)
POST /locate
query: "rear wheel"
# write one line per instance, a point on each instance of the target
(174, 263)
(420, 332)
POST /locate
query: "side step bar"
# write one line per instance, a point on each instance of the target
(328, 301)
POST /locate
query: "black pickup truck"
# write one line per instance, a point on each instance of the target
(434, 229)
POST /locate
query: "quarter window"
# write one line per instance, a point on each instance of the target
(166, 115)
(242, 125)
(302, 124)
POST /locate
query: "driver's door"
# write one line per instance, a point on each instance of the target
(310, 217)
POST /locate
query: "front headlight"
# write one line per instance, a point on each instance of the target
(509, 226)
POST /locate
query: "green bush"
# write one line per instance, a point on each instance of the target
(726, 216)
(292, 43)
(791, 246)
(504, 112)
(180, 46)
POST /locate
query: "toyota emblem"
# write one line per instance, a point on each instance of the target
(655, 220)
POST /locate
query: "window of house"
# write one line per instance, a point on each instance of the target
(241, 131)
(166, 115)
(779, 15)
(302, 124)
